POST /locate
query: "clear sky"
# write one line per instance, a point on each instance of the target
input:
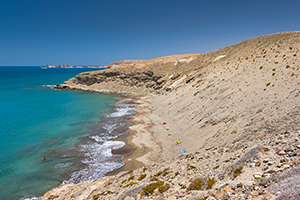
(97, 32)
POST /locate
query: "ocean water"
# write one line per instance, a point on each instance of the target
(52, 136)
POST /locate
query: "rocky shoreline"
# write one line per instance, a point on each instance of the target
(234, 111)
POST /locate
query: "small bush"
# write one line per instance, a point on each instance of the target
(233, 132)
(149, 189)
(165, 173)
(188, 155)
(163, 188)
(177, 173)
(210, 183)
(154, 178)
(266, 149)
(129, 184)
(259, 180)
(195, 185)
(130, 171)
(142, 176)
(216, 167)
(144, 169)
(96, 196)
(268, 84)
(109, 183)
(130, 178)
(159, 173)
(237, 171)
(106, 192)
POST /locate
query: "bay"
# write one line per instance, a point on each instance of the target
(38, 125)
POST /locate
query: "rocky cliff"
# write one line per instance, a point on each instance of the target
(234, 110)
(135, 77)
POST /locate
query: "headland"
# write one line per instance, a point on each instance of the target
(219, 125)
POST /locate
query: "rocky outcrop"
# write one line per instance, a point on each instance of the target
(121, 80)
(137, 77)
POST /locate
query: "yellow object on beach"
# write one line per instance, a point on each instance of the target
(178, 142)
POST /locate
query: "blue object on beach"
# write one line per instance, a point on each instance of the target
(183, 151)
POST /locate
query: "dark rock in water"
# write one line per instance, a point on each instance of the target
(62, 87)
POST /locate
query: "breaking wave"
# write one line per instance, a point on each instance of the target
(96, 151)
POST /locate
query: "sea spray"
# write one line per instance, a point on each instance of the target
(96, 150)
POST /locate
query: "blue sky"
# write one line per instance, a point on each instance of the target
(97, 32)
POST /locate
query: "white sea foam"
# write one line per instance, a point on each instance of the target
(120, 112)
(99, 161)
(97, 138)
(32, 198)
(50, 86)
(109, 127)
(98, 151)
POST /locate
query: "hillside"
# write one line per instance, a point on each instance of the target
(234, 110)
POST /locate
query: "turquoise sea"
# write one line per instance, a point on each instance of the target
(52, 136)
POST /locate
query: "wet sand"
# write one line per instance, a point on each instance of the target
(130, 151)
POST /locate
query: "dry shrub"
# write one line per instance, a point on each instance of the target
(142, 176)
(210, 183)
(287, 184)
(149, 189)
(195, 185)
(288, 188)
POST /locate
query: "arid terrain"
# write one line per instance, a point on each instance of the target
(235, 111)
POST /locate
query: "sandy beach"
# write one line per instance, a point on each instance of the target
(141, 148)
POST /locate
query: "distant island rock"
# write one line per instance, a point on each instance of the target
(70, 66)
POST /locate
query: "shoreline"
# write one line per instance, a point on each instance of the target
(130, 151)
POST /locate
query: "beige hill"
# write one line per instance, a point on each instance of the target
(143, 63)
(236, 97)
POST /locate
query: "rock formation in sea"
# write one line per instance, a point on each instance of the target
(234, 111)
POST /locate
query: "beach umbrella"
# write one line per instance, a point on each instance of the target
(164, 122)
(167, 128)
(183, 151)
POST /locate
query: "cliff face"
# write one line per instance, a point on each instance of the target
(238, 107)
(137, 77)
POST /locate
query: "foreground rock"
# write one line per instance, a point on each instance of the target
(234, 110)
